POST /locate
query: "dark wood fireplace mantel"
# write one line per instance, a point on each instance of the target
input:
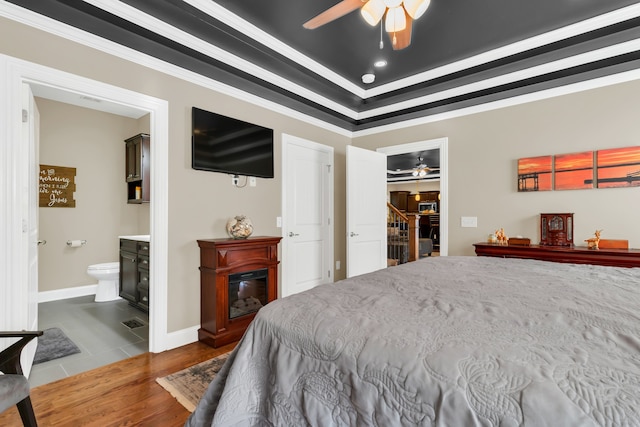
(220, 258)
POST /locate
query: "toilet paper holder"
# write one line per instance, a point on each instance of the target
(76, 243)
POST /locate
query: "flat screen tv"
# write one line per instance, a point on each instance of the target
(227, 145)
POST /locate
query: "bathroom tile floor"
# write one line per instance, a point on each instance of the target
(96, 328)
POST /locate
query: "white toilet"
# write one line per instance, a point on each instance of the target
(108, 275)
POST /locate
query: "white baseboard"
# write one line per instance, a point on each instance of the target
(182, 337)
(58, 294)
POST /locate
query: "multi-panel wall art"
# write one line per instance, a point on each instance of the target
(616, 167)
(535, 173)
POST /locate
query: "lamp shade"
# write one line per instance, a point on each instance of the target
(392, 3)
(415, 8)
(396, 20)
(373, 11)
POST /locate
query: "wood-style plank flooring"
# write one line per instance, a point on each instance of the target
(121, 394)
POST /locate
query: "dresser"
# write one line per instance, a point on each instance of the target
(574, 254)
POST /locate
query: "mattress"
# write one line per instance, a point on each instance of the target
(443, 341)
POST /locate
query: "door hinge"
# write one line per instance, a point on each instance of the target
(329, 168)
(328, 221)
(329, 273)
(25, 116)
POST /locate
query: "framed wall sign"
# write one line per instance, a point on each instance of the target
(57, 185)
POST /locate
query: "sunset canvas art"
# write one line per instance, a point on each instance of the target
(535, 173)
(573, 171)
(618, 167)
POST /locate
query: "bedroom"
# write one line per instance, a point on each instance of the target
(483, 150)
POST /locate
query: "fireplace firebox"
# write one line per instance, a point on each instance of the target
(237, 278)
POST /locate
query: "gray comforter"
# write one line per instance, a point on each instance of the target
(449, 341)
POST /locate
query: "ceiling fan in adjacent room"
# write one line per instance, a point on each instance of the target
(399, 16)
(421, 170)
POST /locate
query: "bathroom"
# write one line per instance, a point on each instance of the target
(92, 142)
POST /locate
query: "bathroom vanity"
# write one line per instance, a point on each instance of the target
(134, 270)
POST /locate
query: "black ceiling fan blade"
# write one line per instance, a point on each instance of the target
(333, 13)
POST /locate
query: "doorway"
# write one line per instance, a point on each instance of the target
(87, 144)
(13, 74)
(441, 144)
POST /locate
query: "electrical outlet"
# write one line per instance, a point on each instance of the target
(234, 180)
(469, 221)
(252, 181)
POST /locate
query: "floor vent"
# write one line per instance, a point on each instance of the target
(133, 323)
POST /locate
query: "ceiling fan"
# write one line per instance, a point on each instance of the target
(421, 170)
(399, 15)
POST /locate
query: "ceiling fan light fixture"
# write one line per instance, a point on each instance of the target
(396, 20)
(373, 11)
(392, 3)
(416, 8)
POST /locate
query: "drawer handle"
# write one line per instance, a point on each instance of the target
(145, 262)
(145, 248)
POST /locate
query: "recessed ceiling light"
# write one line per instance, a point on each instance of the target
(368, 78)
(381, 63)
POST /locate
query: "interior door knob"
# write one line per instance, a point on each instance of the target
(353, 234)
(291, 234)
(42, 242)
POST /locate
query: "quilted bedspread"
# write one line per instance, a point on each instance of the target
(444, 341)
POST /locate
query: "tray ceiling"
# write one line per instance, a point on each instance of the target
(462, 53)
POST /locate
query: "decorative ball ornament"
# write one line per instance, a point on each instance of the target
(239, 227)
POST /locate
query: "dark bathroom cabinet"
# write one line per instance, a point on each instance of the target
(134, 272)
(138, 159)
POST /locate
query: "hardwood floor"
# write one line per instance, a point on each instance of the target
(121, 394)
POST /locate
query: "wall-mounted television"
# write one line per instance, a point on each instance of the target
(232, 146)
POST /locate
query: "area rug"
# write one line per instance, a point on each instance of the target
(54, 344)
(189, 385)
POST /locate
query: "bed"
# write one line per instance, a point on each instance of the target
(443, 341)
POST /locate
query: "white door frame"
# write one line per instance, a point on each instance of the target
(286, 141)
(14, 72)
(443, 145)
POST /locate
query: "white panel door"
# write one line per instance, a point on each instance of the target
(30, 146)
(307, 215)
(366, 211)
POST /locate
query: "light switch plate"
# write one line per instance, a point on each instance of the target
(469, 221)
